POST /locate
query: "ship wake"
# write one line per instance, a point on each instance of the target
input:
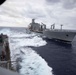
(31, 63)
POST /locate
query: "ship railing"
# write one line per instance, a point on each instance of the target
(7, 64)
(63, 30)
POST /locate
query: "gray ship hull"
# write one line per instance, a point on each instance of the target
(63, 35)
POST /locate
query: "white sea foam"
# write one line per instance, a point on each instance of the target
(32, 63)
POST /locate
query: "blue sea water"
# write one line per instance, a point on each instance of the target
(61, 57)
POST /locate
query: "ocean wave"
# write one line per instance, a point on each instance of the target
(32, 63)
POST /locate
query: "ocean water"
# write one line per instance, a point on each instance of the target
(39, 56)
(29, 61)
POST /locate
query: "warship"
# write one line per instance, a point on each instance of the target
(52, 33)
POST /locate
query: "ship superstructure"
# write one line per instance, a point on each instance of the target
(36, 27)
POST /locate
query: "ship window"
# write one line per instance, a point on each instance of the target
(67, 35)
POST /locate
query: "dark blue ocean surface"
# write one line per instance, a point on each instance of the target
(60, 56)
